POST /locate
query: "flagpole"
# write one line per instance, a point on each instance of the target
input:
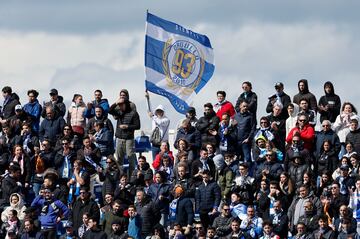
(147, 96)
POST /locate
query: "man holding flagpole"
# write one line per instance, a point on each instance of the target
(178, 61)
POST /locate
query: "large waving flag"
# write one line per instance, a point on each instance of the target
(178, 61)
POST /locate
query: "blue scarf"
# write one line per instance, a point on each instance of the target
(75, 189)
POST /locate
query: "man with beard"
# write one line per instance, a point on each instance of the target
(279, 220)
(310, 218)
(99, 116)
(30, 230)
(94, 231)
(115, 214)
(208, 125)
(304, 93)
(98, 102)
(56, 102)
(51, 127)
(223, 221)
(52, 211)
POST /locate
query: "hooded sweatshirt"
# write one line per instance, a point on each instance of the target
(19, 207)
(306, 94)
(332, 101)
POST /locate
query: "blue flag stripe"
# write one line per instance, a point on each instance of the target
(180, 105)
(177, 29)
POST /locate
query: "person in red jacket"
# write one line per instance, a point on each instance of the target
(305, 130)
(164, 149)
(223, 106)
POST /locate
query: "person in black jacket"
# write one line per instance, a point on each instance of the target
(190, 134)
(246, 124)
(181, 208)
(208, 125)
(207, 199)
(249, 96)
(83, 204)
(51, 127)
(279, 97)
(329, 104)
(128, 121)
(354, 135)
(56, 102)
(10, 101)
(94, 232)
(10, 184)
(201, 164)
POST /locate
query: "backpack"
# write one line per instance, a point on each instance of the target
(155, 137)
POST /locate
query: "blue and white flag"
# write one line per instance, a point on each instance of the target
(178, 61)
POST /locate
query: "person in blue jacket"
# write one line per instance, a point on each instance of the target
(103, 103)
(52, 211)
(33, 110)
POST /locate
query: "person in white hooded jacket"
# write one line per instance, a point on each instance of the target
(293, 110)
(16, 203)
(159, 120)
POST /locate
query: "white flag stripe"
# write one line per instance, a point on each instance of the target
(159, 34)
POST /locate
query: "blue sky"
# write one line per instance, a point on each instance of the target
(79, 46)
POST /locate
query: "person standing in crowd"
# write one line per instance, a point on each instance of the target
(191, 135)
(249, 96)
(76, 115)
(97, 102)
(128, 121)
(329, 104)
(161, 122)
(293, 110)
(305, 131)
(246, 125)
(208, 126)
(279, 98)
(51, 127)
(304, 93)
(33, 110)
(103, 139)
(51, 210)
(56, 102)
(99, 116)
(304, 109)
(223, 106)
(11, 99)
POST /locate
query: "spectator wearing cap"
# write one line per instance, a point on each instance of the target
(118, 230)
(84, 203)
(97, 102)
(280, 98)
(51, 211)
(191, 116)
(208, 125)
(249, 96)
(56, 101)
(70, 233)
(223, 106)
(16, 121)
(11, 99)
(329, 104)
(51, 127)
(30, 230)
(33, 110)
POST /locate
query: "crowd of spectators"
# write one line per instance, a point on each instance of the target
(64, 174)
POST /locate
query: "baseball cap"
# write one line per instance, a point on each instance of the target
(18, 107)
(191, 110)
(53, 92)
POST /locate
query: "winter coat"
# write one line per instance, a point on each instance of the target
(27, 170)
(296, 172)
(275, 169)
(33, 111)
(103, 103)
(327, 234)
(192, 136)
(246, 126)
(51, 129)
(19, 207)
(104, 141)
(128, 117)
(146, 170)
(307, 135)
(78, 209)
(222, 225)
(58, 105)
(95, 156)
(150, 214)
(8, 109)
(157, 161)
(285, 101)
(107, 124)
(321, 136)
(184, 212)
(354, 137)
(306, 94)
(206, 123)
(226, 181)
(207, 197)
(76, 115)
(95, 234)
(8, 186)
(164, 189)
(251, 99)
(224, 107)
